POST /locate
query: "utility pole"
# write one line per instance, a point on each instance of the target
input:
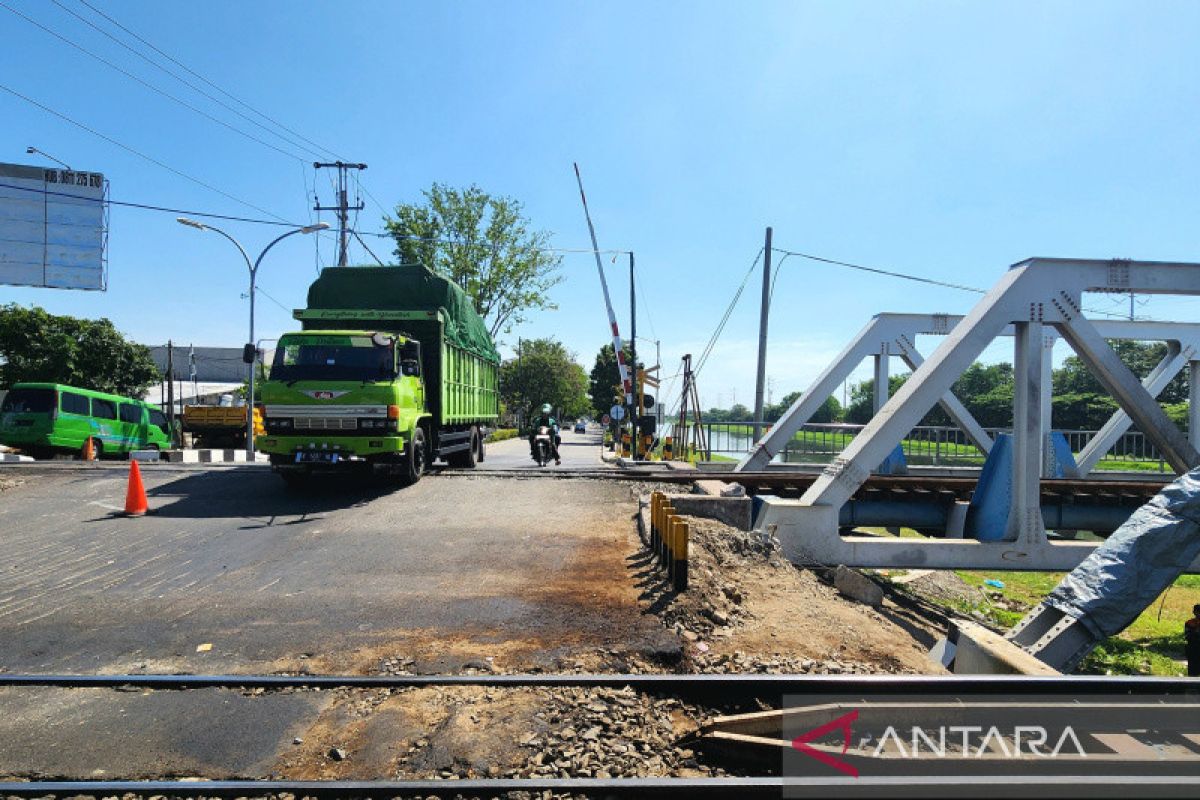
(762, 340)
(171, 389)
(633, 420)
(343, 207)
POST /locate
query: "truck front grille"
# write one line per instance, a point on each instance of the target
(325, 424)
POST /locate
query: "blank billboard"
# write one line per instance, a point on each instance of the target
(53, 228)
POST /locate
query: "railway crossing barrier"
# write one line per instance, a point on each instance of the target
(669, 536)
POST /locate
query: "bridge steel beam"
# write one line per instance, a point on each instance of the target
(885, 335)
(1033, 293)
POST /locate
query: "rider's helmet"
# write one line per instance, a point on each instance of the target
(546, 409)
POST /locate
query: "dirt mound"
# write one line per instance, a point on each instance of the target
(748, 609)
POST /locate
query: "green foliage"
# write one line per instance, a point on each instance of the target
(544, 372)
(830, 411)
(38, 346)
(862, 398)
(1082, 403)
(604, 381)
(484, 244)
(500, 434)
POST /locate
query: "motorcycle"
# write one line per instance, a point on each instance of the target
(542, 451)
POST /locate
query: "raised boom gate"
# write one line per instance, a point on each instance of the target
(1032, 295)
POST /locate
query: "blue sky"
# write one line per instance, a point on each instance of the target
(942, 138)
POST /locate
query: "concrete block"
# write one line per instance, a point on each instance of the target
(182, 456)
(13, 458)
(979, 651)
(709, 487)
(210, 456)
(145, 456)
(856, 586)
(236, 455)
(733, 511)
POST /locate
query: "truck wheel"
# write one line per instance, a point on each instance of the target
(480, 455)
(414, 462)
(465, 459)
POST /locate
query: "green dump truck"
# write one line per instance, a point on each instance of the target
(392, 369)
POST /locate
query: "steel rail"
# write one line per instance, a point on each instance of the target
(983, 785)
(713, 684)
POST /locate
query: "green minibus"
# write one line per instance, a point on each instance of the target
(42, 419)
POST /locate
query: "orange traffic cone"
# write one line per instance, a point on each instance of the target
(135, 497)
(89, 450)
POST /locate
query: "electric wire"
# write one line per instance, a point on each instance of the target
(149, 207)
(186, 82)
(145, 157)
(910, 277)
(368, 249)
(147, 84)
(205, 80)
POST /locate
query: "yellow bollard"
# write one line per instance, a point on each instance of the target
(668, 448)
(672, 546)
(665, 535)
(679, 571)
(655, 504)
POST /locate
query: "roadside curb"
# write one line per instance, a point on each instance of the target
(209, 456)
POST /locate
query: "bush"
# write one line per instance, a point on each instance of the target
(500, 434)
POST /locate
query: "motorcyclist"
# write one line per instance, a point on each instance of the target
(547, 421)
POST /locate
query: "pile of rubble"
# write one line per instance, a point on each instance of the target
(611, 733)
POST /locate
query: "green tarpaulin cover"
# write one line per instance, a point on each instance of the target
(405, 288)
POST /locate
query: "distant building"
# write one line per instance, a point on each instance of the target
(219, 370)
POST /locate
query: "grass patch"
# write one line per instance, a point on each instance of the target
(1152, 645)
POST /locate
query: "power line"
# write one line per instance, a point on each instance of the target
(712, 341)
(205, 80)
(184, 81)
(147, 84)
(140, 154)
(368, 249)
(909, 277)
(877, 271)
(148, 207)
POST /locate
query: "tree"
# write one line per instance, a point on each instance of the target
(545, 372)
(482, 243)
(92, 354)
(830, 410)
(1082, 403)
(604, 381)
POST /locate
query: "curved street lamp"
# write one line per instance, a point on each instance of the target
(250, 349)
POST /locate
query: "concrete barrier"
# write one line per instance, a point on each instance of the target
(856, 586)
(208, 456)
(14, 458)
(975, 650)
(145, 456)
(733, 511)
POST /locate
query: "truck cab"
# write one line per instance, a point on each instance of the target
(343, 398)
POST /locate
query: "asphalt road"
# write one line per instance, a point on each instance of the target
(578, 451)
(231, 559)
(234, 573)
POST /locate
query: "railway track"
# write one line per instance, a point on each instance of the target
(1131, 736)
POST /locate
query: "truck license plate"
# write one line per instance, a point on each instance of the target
(317, 456)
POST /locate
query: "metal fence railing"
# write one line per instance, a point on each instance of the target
(932, 446)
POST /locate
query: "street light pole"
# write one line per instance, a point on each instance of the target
(250, 352)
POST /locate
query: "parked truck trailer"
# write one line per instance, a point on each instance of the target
(393, 369)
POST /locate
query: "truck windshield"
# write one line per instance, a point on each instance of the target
(333, 359)
(38, 401)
